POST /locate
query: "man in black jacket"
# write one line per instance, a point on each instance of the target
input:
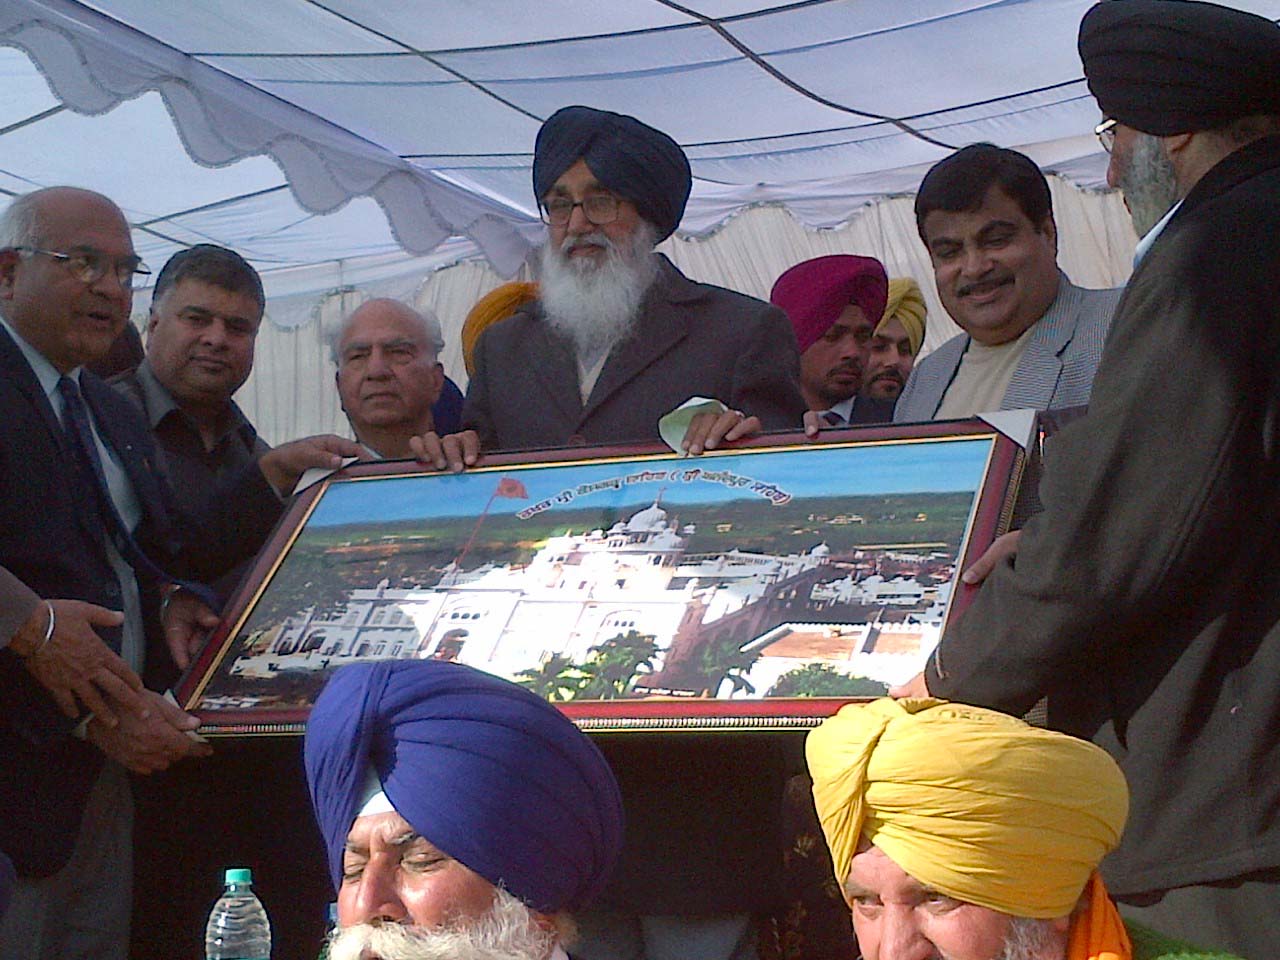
(1145, 600)
(88, 540)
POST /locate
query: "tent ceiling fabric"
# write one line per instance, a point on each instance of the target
(410, 124)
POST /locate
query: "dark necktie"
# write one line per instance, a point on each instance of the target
(89, 465)
(833, 419)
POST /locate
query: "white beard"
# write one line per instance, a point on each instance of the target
(594, 305)
(508, 931)
(1032, 940)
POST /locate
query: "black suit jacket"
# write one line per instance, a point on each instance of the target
(53, 540)
(692, 339)
(1145, 599)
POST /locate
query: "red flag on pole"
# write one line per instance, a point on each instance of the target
(512, 489)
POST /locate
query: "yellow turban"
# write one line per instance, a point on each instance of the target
(906, 303)
(971, 802)
(498, 304)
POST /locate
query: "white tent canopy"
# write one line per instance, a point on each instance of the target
(346, 144)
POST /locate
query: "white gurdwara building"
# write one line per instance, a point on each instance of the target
(578, 591)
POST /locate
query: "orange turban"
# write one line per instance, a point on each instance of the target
(498, 304)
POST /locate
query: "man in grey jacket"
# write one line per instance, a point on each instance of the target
(618, 336)
(1031, 339)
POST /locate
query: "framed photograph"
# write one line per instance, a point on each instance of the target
(761, 586)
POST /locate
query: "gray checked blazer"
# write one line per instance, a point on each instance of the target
(1056, 370)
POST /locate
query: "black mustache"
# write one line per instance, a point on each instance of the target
(968, 288)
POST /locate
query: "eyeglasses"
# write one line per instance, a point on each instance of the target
(599, 209)
(1106, 134)
(90, 266)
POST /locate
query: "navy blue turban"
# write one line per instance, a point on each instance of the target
(1174, 66)
(631, 158)
(491, 774)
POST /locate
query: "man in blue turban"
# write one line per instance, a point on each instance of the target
(463, 816)
(616, 339)
(618, 336)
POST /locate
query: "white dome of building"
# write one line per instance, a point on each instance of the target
(650, 519)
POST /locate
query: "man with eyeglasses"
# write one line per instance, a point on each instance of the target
(1145, 601)
(616, 339)
(618, 336)
(89, 539)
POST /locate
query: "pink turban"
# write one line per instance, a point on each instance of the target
(815, 292)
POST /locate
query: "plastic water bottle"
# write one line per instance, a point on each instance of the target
(238, 928)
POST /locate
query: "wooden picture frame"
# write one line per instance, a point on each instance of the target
(756, 587)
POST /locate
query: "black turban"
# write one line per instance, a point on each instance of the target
(631, 158)
(1175, 66)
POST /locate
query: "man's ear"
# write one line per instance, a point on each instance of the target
(1050, 229)
(152, 319)
(561, 925)
(1176, 145)
(8, 267)
(335, 387)
(437, 382)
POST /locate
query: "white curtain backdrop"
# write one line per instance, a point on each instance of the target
(291, 392)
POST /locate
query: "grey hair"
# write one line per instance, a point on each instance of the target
(1030, 939)
(1148, 181)
(19, 222)
(426, 318)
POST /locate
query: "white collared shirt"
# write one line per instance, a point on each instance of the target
(843, 410)
(1146, 242)
(123, 496)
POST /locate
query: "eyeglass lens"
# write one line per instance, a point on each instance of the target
(598, 208)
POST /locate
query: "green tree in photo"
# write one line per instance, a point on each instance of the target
(559, 679)
(724, 659)
(309, 579)
(820, 680)
(615, 663)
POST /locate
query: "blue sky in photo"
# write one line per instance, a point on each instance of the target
(939, 466)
